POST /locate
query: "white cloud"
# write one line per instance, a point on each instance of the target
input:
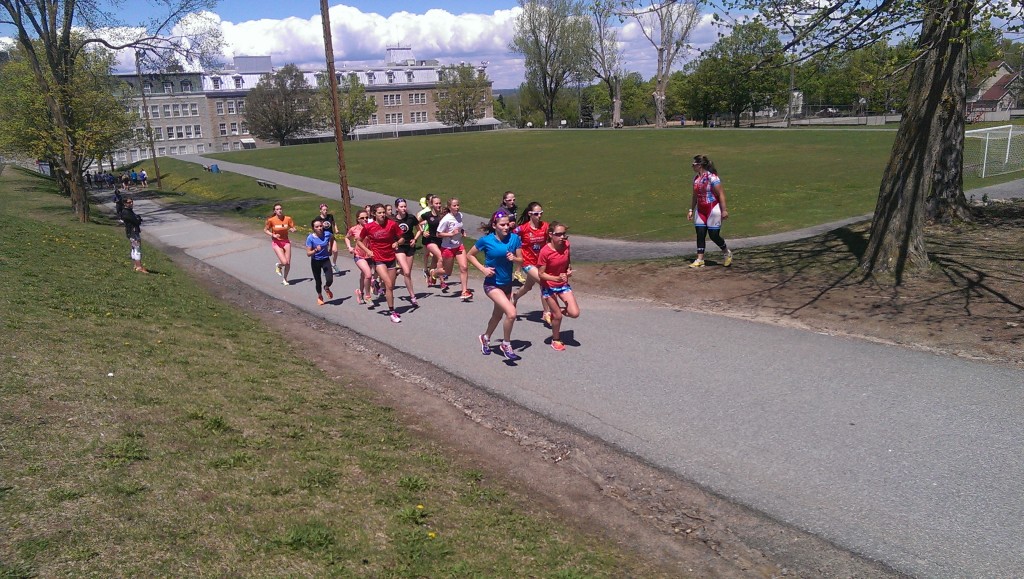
(360, 39)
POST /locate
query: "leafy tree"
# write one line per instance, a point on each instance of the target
(637, 106)
(924, 176)
(702, 92)
(463, 94)
(283, 105)
(55, 34)
(605, 54)
(667, 26)
(354, 106)
(554, 38)
(748, 68)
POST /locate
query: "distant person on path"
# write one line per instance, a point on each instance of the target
(555, 268)
(318, 248)
(382, 235)
(118, 203)
(331, 225)
(707, 209)
(133, 231)
(450, 230)
(405, 253)
(534, 234)
(144, 178)
(361, 258)
(431, 242)
(277, 227)
(501, 249)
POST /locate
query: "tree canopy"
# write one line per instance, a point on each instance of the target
(462, 95)
(283, 105)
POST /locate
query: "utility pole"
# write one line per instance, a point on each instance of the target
(145, 115)
(346, 199)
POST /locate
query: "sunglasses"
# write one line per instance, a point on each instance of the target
(560, 234)
(362, 218)
(537, 213)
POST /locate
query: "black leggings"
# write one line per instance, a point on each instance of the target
(321, 268)
(714, 234)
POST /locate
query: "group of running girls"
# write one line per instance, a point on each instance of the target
(383, 243)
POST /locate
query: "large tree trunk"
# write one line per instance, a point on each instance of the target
(926, 164)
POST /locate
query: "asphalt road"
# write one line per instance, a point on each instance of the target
(904, 457)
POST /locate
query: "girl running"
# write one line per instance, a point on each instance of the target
(450, 230)
(534, 234)
(277, 227)
(383, 234)
(331, 226)
(360, 257)
(554, 268)
(406, 250)
(318, 248)
(707, 209)
(431, 242)
(501, 248)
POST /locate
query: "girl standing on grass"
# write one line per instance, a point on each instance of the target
(133, 231)
(501, 249)
(554, 268)
(383, 234)
(707, 209)
(360, 257)
(431, 242)
(534, 234)
(406, 251)
(318, 248)
(277, 227)
(450, 230)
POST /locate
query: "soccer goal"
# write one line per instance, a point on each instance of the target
(993, 151)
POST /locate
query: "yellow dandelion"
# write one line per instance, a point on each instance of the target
(419, 507)
(432, 534)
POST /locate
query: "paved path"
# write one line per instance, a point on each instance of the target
(905, 457)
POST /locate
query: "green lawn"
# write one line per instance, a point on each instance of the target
(148, 429)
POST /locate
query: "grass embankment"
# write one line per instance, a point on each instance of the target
(148, 429)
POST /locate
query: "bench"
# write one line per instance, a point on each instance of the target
(267, 184)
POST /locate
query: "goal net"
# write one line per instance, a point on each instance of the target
(993, 151)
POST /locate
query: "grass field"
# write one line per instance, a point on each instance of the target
(148, 429)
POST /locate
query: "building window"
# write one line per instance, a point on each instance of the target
(418, 98)
(158, 133)
(236, 146)
(180, 131)
(369, 78)
(133, 155)
(161, 152)
(154, 111)
(144, 154)
(241, 107)
(391, 77)
(245, 128)
(186, 86)
(198, 130)
(223, 129)
(167, 111)
(393, 119)
(200, 149)
(418, 117)
(234, 128)
(231, 107)
(408, 75)
(373, 119)
(188, 131)
(147, 88)
(225, 146)
(216, 83)
(238, 82)
(168, 87)
(194, 108)
(392, 100)
(176, 109)
(174, 150)
(219, 106)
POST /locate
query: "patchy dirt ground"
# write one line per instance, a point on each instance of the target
(970, 304)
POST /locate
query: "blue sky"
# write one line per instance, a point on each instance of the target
(449, 31)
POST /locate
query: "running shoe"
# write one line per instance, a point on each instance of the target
(485, 345)
(547, 319)
(728, 259)
(319, 300)
(330, 294)
(396, 318)
(557, 346)
(509, 353)
(285, 282)
(444, 287)
(359, 296)
(414, 302)
(467, 295)
(374, 286)
(277, 268)
(697, 263)
(380, 290)
(519, 276)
